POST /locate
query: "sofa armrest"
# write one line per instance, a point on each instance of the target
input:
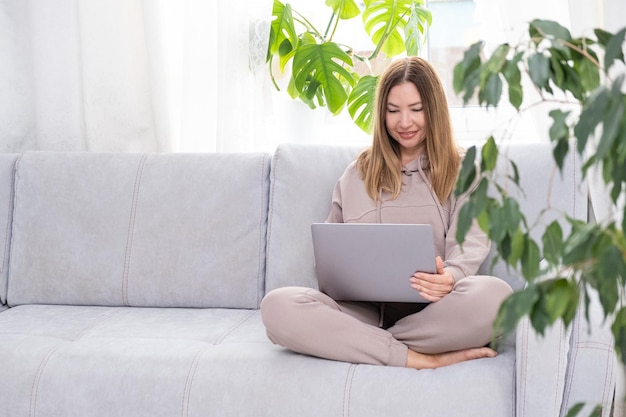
(541, 364)
(566, 366)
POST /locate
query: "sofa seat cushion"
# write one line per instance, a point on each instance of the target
(126, 361)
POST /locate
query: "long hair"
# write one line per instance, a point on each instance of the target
(380, 165)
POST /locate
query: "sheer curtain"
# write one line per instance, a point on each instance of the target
(133, 75)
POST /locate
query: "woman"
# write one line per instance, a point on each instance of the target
(406, 176)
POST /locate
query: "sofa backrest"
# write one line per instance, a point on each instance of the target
(303, 177)
(147, 230)
(7, 169)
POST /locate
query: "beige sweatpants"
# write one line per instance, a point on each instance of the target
(308, 321)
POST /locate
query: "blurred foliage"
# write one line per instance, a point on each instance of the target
(589, 73)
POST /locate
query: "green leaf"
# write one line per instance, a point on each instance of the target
(589, 73)
(619, 333)
(517, 247)
(385, 20)
(553, 243)
(414, 36)
(489, 155)
(464, 221)
(512, 214)
(361, 102)
(282, 29)
(513, 77)
(530, 259)
(519, 304)
(614, 49)
(551, 29)
(573, 412)
(468, 171)
(492, 90)
(320, 66)
(498, 59)
(347, 9)
(539, 69)
(558, 298)
(593, 112)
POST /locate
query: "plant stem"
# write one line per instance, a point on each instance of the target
(305, 22)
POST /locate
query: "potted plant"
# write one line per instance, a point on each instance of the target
(583, 78)
(323, 70)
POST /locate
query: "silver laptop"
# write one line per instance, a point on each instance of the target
(372, 262)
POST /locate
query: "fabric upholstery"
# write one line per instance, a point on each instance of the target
(7, 167)
(135, 281)
(302, 180)
(119, 361)
(166, 230)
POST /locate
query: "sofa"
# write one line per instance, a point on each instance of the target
(130, 286)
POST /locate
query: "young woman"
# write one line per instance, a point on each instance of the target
(406, 176)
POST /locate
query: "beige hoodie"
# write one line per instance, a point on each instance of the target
(417, 203)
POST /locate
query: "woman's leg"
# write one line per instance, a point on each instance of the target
(463, 319)
(308, 321)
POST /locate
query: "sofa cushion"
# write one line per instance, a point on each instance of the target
(7, 168)
(302, 180)
(163, 230)
(303, 177)
(80, 361)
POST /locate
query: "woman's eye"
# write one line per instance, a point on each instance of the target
(418, 109)
(392, 111)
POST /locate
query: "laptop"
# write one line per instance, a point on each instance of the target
(372, 262)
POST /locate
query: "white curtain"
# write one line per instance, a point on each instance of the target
(133, 75)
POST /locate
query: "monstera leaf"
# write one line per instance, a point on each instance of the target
(396, 26)
(361, 102)
(346, 9)
(318, 68)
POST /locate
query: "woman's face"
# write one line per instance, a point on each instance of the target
(405, 120)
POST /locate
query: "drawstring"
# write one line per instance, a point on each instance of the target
(379, 206)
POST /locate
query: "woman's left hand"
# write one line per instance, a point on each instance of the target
(433, 287)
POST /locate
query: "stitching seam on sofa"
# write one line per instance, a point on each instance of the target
(270, 213)
(36, 381)
(7, 234)
(107, 315)
(347, 390)
(131, 229)
(262, 260)
(558, 371)
(235, 327)
(189, 381)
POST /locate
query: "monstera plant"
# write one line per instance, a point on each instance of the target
(582, 80)
(323, 69)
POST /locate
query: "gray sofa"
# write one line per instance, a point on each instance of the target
(130, 286)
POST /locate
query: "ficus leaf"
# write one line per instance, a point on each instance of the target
(539, 70)
(552, 29)
(489, 155)
(553, 243)
(614, 49)
(468, 171)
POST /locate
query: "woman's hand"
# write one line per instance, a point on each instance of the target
(433, 287)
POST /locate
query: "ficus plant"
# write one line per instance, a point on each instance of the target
(323, 69)
(582, 79)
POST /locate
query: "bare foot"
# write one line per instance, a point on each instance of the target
(423, 361)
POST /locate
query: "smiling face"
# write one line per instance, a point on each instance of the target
(405, 120)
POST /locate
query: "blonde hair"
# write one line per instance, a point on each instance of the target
(380, 165)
